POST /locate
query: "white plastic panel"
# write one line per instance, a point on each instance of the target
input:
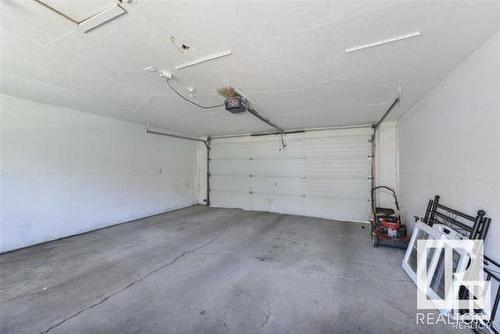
(322, 174)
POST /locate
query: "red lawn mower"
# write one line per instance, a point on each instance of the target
(386, 226)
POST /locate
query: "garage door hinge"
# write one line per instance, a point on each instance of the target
(209, 174)
(250, 158)
(370, 177)
(250, 192)
(303, 196)
(370, 156)
(250, 175)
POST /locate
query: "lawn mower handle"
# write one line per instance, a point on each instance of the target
(387, 188)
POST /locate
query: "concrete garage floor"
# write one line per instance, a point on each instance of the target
(207, 270)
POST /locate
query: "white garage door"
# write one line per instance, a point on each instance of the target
(320, 173)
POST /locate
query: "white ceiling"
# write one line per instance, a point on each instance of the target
(288, 58)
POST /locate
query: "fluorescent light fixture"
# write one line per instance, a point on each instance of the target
(204, 59)
(150, 69)
(384, 41)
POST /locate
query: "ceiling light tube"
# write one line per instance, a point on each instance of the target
(384, 41)
(204, 59)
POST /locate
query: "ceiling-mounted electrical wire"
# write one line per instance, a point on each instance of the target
(231, 91)
(188, 100)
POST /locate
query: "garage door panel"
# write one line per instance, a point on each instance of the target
(313, 206)
(231, 167)
(338, 209)
(350, 146)
(333, 168)
(336, 189)
(337, 168)
(231, 199)
(261, 185)
(244, 200)
(324, 174)
(257, 167)
(320, 187)
(276, 185)
(230, 183)
(282, 204)
(334, 147)
(231, 150)
(246, 150)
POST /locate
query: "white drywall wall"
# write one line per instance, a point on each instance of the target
(386, 162)
(66, 172)
(449, 143)
(202, 173)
